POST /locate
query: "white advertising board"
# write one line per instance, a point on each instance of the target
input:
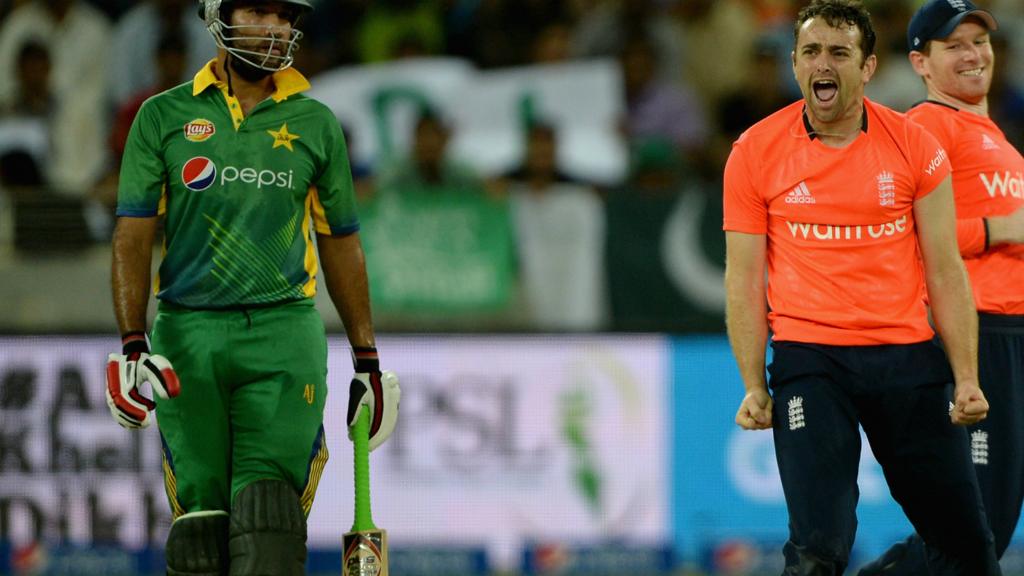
(502, 440)
(378, 105)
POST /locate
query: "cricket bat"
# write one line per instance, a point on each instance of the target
(365, 547)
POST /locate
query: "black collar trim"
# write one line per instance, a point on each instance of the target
(810, 129)
(935, 102)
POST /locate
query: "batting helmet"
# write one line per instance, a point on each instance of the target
(214, 14)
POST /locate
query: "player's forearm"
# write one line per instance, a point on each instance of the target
(747, 324)
(1007, 229)
(130, 271)
(956, 320)
(344, 267)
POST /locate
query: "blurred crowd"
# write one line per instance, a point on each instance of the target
(694, 75)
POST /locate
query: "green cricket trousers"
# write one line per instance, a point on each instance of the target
(253, 390)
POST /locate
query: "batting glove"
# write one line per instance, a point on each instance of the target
(127, 371)
(378, 391)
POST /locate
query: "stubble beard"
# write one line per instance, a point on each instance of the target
(247, 71)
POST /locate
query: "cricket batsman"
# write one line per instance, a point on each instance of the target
(241, 169)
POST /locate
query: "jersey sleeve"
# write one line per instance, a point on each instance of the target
(143, 174)
(332, 194)
(743, 206)
(929, 160)
(971, 234)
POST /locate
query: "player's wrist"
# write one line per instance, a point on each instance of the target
(365, 359)
(134, 343)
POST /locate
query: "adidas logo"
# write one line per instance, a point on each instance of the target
(988, 143)
(800, 195)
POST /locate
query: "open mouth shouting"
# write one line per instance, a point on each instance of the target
(825, 90)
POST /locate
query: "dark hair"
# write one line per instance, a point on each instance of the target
(33, 48)
(837, 13)
(171, 41)
(19, 168)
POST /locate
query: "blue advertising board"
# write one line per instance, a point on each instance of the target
(729, 511)
(728, 501)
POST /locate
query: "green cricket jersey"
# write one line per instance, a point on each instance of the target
(238, 193)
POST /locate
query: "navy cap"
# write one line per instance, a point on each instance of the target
(938, 18)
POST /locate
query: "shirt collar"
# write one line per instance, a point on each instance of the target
(287, 82)
(810, 129)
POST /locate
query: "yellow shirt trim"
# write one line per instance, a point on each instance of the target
(287, 82)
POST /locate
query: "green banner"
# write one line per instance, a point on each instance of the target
(438, 250)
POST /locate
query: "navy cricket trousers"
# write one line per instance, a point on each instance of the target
(997, 443)
(899, 394)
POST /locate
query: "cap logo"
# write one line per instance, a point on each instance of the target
(958, 4)
(199, 130)
(198, 173)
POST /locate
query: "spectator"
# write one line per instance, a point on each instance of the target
(762, 93)
(1005, 98)
(332, 38)
(32, 97)
(362, 171)
(605, 31)
(657, 108)
(712, 66)
(25, 119)
(77, 37)
(895, 84)
(168, 66)
(36, 219)
(25, 129)
(559, 227)
(495, 33)
(136, 40)
(1011, 28)
(428, 166)
(391, 27)
(642, 294)
(552, 44)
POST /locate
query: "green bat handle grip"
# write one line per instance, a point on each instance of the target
(361, 467)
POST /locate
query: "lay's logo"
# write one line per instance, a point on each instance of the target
(199, 130)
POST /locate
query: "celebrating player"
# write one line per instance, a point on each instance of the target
(950, 49)
(836, 196)
(241, 168)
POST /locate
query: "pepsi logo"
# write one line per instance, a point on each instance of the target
(198, 173)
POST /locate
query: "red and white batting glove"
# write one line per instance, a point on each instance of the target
(376, 390)
(125, 374)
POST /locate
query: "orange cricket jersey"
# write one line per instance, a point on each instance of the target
(843, 264)
(988, 180)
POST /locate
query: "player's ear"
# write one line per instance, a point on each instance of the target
(917, 60)
(868, 68)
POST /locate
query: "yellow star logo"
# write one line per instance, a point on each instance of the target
(283, 138)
